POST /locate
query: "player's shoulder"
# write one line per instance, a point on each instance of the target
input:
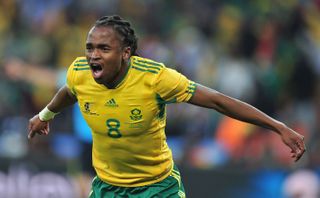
(146, 65)
(80, 61)
(78, 73)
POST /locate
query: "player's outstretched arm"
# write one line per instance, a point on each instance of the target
(209, 98)
(39, 124)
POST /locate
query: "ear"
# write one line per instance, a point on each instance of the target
(126, 53)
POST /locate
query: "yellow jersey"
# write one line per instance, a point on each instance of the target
(128, 122)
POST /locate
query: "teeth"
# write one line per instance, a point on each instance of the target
(95, 66)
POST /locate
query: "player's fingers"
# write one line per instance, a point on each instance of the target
(294, 150)
(47, 129)
(31, 134)
(301, 144)
(298, 153)
(298, 156)
(31, 130)
(44, 132)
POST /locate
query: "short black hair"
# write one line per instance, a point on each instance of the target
(123, 28)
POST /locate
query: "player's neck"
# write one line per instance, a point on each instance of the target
(119, 77)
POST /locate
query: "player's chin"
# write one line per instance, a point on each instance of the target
(98, 80)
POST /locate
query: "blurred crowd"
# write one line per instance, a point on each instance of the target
(266, 53)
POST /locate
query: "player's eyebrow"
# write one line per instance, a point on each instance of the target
(101, 45)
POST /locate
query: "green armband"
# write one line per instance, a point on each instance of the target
(46, 114)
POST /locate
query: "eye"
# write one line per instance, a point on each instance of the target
(89, 47)
(105, 49)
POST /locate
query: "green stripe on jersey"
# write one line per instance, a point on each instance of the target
(150, 62)
(191, 88)
(146, 66)
(82, 68)
(81, 65)
(190, 91)
(81, 61)
(144, 70)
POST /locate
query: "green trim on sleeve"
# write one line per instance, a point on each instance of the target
(191, 87)
(161, 105)
(193, 90)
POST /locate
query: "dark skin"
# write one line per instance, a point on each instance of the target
(104, 49)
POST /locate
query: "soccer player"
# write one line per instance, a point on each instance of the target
(123, 97)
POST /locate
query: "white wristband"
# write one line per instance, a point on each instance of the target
(46, 114)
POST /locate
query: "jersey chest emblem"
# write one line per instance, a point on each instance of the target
(135, 114)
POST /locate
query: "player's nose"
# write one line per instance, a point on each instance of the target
(95, 54)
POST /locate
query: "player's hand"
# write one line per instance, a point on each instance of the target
(295, 141)
(36, 126)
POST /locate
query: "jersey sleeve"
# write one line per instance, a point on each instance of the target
(173, 87)
(71, 78)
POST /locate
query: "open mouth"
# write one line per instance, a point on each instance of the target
(96, 70)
